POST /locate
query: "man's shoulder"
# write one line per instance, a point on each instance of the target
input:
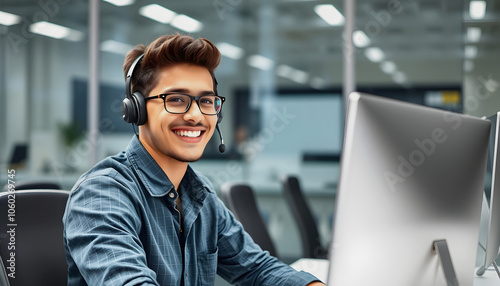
(111, 169)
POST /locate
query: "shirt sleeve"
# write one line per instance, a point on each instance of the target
(101, 235)
(243, 262)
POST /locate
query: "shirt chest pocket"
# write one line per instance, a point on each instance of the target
(207, 268)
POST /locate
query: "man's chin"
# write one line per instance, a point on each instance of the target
(187, 158)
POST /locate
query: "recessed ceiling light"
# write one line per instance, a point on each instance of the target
(470, 52)
(360, 39)
(8, 19)
(120, 2)
(284, 71)
(473, 34)
(230, 51)
(260, 62)
(477, 9)
(318, 83)
(468, 65)
(186, 24)
(157, 13)
(299, 76)
(399, 77)
(374, 54)
(388, 67)
(329, 14)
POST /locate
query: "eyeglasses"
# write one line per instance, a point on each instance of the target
(179, 103)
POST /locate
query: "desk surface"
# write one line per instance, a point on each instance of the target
(319, 268)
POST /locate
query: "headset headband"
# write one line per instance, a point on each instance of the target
(129, 75)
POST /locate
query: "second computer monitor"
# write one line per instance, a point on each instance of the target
(492, 187)
(411, 179)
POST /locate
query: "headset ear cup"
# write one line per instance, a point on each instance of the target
(129, 113)
(219, 117)
(142, 113)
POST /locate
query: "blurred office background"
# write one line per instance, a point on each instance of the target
(281, 72)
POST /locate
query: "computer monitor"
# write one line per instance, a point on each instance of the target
(409, 197)
(492, 187)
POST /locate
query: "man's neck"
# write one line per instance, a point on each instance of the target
(173, 168)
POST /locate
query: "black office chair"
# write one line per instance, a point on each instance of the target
(241, 201)
(31, 221)
(4, 280)
(34, 185)
(311, 242)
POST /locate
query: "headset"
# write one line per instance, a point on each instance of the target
(134, 106)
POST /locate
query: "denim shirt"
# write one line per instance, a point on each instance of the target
(121, 227)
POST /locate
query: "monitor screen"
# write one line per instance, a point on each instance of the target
(492, 185)
(410, 176)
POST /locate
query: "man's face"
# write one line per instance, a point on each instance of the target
(182, 137)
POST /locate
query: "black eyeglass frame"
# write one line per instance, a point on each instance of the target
(195, 98)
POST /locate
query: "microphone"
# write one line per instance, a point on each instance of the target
(222, 147)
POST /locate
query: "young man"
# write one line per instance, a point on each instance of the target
(144, 217)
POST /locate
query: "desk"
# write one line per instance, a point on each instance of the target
(319, 268)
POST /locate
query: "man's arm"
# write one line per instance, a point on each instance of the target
(316, 284)
(242, 261)
(101, 236)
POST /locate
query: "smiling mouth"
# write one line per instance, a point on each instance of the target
(191, 134)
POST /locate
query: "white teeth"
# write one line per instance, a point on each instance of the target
(188, 133)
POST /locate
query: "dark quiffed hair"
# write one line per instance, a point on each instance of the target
(166, 51)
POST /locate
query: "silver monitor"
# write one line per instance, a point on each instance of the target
(492, 186)
(409, 198)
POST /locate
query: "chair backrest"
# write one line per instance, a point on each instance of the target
(241, 201)
(4, 280)
(31, 237)
(34, 185)
(311, 242)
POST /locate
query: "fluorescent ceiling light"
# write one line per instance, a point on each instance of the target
(470, 52)
(186, 23)
(374, 54)
(230, 51)
(477, 9)
(468, 65)
(116, 47)
(388, 67)
(299, 76)
(360, 39)
(329, 14)
(260, 62)
(473, 34)
(157, 13)
(399, 77)
(284, 71)
(9, 19)
(318, 83)
(120, 2)
(292, 74)
(55, 31)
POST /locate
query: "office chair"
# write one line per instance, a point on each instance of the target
(241, 201)
(34, 185)
(311, 243)
(4, 280)
(36, 231)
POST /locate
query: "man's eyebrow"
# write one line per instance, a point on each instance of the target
(187, 91)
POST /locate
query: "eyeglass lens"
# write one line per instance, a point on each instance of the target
(179, 103)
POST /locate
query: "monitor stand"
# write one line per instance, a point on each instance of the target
(441, 248)
(496, 268)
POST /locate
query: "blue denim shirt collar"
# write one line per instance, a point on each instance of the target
(156, 181)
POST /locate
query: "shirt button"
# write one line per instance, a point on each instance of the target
(171, 195)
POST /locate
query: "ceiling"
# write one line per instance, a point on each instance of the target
(425, 39)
